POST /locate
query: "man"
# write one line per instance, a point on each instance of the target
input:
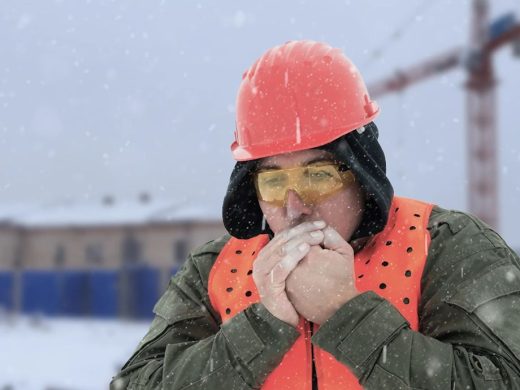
(328, 280)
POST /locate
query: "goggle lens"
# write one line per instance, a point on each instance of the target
(312, 183)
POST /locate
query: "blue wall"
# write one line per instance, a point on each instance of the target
(84, 293)
(103, 288)
(6, 290)
(145, 282)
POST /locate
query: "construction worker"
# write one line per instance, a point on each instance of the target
(326, 279)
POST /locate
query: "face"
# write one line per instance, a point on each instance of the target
(341, 210)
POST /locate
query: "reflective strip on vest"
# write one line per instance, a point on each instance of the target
(391, 265)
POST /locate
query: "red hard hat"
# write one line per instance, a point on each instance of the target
(297, 96)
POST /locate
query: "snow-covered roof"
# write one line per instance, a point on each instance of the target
(189, 213)
(98, 214)
(10, 213)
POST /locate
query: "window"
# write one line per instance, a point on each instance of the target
(132, 250)
(60, 256)
(94, 254)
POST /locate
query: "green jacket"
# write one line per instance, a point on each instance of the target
(469, 317)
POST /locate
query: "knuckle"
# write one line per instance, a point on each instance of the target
(284, 236)
(286, 264)
(281, 270)
(307, 236)
(297, 230)
(309, 225)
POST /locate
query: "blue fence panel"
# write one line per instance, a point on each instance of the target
(41, 291)
(74, 294)
(90, 292)
(144, 290)
(103, 291)
(6, 290)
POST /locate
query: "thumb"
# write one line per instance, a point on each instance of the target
(333, 241)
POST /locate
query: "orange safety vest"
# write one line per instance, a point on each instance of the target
(391, 265)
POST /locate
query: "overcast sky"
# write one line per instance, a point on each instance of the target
(118, 97)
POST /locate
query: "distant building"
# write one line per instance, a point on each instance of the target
(108, 234)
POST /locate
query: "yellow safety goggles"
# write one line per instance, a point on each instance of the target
(313, 183)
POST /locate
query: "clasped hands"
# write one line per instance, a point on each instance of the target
(295, 276)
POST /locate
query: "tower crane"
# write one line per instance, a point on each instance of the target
(476, 58)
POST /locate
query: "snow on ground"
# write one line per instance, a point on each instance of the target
(41, 353)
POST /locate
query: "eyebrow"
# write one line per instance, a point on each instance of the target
(308, 162)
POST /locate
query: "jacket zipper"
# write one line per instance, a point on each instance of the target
(314, 378)
(308, 328)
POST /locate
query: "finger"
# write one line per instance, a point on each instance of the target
(274, 247)
(282, 270)
(285, 235)
(333, 241)
(288, 234)
(303, 228)
(313, 238)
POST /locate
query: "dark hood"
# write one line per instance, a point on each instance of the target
(361, 152)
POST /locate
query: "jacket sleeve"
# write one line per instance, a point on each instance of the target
(187, 347)
(469, 336)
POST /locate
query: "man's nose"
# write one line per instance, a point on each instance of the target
(295, 206)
